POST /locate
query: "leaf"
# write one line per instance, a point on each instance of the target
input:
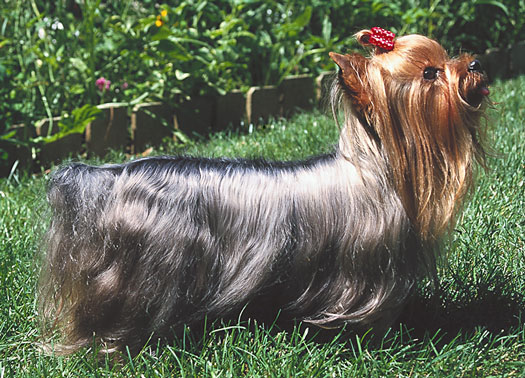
(495, 4)
(168, 46)
(139, 99)
(179, 75)
(244, 33)
(327, 29)
(8, 135)
(294, 27)
(4, 42)
(74, 124)
(79, 64)
(181, 137)
(77, 89)
(162, 33)
(304, 18)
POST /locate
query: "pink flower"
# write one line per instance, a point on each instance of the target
(124, 85)
(102, 83)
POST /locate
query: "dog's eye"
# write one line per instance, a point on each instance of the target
(430, 73)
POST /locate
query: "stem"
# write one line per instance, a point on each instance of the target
(89, 29)
(46, 103)
(35, 8)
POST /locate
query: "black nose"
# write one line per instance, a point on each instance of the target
(475, 66)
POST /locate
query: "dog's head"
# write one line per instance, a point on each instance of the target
(423, 109)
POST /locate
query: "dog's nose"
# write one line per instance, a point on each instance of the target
(475, 66)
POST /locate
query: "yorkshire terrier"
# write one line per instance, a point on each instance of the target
(136, 251)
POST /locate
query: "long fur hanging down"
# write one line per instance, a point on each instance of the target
(137, 250)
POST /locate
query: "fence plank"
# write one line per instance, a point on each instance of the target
(108, 131)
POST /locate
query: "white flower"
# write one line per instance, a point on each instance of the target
(57, 25)
(41, 33)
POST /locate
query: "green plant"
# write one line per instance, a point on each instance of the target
(52, 53)
(75, 123)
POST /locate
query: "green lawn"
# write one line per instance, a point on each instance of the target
(472, 325)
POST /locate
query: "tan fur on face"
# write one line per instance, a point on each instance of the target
(426, 128)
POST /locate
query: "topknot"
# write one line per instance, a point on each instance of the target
(382, 40)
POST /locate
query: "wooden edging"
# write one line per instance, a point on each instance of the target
(148, 124)
(140, 126)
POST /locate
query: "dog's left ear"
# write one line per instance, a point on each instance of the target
(353, 78)
(343, 61)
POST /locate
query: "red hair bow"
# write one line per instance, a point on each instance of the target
(382, 38)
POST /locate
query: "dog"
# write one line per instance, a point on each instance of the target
(137, 250)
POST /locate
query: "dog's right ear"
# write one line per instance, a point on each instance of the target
(352, 77)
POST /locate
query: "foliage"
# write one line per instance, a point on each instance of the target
(473, 325)
(53, 53)
(75, 123)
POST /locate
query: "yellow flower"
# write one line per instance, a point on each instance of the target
(164, 13)
(159, 22)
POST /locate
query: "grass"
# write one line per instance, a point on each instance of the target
(472, 325)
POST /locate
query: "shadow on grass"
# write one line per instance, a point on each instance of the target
(495, 310)
(498, 310)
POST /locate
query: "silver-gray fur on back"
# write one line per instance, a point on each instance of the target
(143, 247)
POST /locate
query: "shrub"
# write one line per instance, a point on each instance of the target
(54, 52)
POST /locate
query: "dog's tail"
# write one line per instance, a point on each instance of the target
(76, 193)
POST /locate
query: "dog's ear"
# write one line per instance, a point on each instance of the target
(352, 77)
